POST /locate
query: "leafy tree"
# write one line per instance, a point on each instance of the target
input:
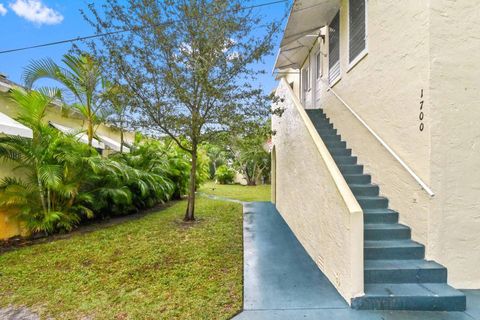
(218, 156)
(82, 76)
(224, 174)
(252, 157)
(190, 66)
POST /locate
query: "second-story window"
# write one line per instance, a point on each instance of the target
(334, 49)
(357, 29)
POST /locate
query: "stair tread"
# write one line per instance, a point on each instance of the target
(401, 264)
(392, 226)
(371, 198)
(404, 243)
(368, 185)
(412, 290)
(379, 211)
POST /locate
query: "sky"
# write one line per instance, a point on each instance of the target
(32, 22)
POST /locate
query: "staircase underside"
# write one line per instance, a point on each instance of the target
(397, 277)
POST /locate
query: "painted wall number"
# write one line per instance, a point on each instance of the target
(421, 115)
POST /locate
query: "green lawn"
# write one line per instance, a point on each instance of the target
(155, 267)
(239, 192)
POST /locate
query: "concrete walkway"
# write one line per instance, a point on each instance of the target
(282, 282)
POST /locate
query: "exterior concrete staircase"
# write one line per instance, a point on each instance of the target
(397, 277)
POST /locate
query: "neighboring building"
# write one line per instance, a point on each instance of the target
(400, 82)
(108, 140)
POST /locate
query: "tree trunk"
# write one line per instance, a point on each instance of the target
(121, 140)
(190, 213)
(89, 132)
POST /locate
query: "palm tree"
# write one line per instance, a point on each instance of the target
(62, 181)
(40, 195)
(81, 75)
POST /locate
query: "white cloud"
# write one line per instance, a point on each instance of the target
(3, 10)
(36, 12)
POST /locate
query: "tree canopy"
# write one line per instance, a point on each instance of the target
(190, 66)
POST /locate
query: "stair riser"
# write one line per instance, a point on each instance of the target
(345, 160)
(401, 253)
(363, 179)
(365, 191)
(387, 234)
(340, 152)
(378, 203)
(455, 303)
(380, 218)
(351, 169)
(406, 276)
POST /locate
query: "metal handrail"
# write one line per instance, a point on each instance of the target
(385, 145)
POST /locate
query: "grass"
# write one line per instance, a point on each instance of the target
(155, 267)
(239, 192)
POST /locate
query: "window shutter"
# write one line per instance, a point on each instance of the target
(357, 41)
(334, 48)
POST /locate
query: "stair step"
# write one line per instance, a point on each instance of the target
(404, 271)
(335, 144)
(365, 189)
(340, 152)
(316, 113)
(345, 159)
(357, 178)
(393, 249)
(332, 138)
(380, 216)
(375, 202)
(322, 125)
(327, 132)
(411, 296)
(350, 168)
(386, 231)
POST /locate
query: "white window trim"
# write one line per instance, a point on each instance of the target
(335, 81)
(364, 52)
(318, 64)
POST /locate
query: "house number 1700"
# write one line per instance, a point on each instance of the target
(421, 115)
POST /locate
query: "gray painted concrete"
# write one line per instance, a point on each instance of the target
(282, 282)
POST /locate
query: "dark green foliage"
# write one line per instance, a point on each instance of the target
(60, 182)
(225, 175)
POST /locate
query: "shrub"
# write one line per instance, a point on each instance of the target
(225, 175)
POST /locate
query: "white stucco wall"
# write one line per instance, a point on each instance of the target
(384, 88)
(454, 236)
(418, 51)
(314, 199)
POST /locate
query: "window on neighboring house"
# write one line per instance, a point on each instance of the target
(318, 63)
(357, 41)
(334, 49)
